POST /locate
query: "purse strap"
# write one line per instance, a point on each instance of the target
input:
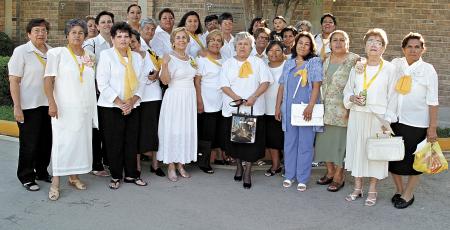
(237, 103)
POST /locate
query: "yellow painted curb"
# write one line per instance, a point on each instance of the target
(444, 143)
(9, 128)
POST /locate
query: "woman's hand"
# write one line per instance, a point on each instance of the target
(431, 134)
(154, 76)
(200, 107)
(53, 110)
(18, 114)
(358, 100)
(251, 101)
(277, 113)
(307, 113)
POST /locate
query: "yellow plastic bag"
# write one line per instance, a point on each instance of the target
(403, 85)
(430, 159)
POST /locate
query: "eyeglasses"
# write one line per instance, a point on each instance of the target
(374, 42)
(263, 38)
(39, 31)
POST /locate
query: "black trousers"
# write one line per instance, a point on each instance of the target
(98, 147)
(35, 144)
(121, 141)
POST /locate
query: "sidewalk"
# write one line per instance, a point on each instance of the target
(212, 202)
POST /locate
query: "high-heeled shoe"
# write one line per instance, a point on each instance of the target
(371, 201)
(77, 184)
(158, 171)
(238, 178)
(53, 193)
(247, 185)
(183, 173)
(172, 175)
(353, 197)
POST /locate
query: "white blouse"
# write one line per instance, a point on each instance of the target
(25, 64)
(193, 47)
(244, 87)
(161, 42)
(381, 95)
(111, 74)
(96, 45)
(319, 44)
(271, 94)
(413, 107)
(228, 51)
(152, 89)
(210, 84)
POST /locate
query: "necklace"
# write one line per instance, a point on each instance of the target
(367, 85)
(179, 55)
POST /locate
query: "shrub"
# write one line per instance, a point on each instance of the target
(6, 45)
(5, 98)
(443, 132)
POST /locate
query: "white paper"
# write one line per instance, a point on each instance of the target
(297, 115)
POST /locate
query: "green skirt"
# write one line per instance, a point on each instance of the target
(330, 145)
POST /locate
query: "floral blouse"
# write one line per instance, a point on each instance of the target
(332, 91)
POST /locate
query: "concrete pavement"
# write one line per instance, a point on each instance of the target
(212, 202)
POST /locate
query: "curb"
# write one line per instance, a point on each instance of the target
(9, 128)
(444, 143)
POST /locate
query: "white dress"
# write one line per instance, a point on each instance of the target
(177, 129)
(77, 113)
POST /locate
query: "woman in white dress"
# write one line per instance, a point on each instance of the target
(177, 130)
(191, 21)
(70, 89)
(209, 101)
(370, 96)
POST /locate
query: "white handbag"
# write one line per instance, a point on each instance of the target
(297, 115)
(385, 148)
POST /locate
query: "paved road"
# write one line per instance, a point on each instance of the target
(212, 202)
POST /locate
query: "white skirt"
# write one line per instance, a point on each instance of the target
(177, 129)
(361, 126)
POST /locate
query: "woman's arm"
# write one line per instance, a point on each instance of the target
(278, 102)
(307, 113)
(49, 86)
(14, 88)
(259, 91)
(229, 92)
(198, 92)
(164, 74)
(431, 131)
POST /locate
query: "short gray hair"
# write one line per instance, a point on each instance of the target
(305, 23)
(242, 36)
(148, 20)
(75, 22)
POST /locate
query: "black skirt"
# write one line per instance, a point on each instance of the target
(210, 128)
(246, 152)
(274, 134)
(148, 126)
(412, 136)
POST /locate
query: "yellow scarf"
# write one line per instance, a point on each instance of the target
(403, 85)
(80, 67)
(304, 74)
(155, 59)
(130, 80)
(322, 50)
(196, 39)
(245, 70)
(213, 60)
(367, 85)
(41, 60)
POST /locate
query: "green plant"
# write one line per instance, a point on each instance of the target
(6, 113)
(443, 132)
(6, 45)
(5, 98)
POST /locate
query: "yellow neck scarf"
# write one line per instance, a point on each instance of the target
(304, 74)
(366, 84)
(80, 67)
(196, 39)
(41, 60)
(130, 80)
(155, 59)
(403, 85)
(211, 59)
(245, 70)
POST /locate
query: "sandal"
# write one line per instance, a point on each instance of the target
(77, 184)
(324, 180)
(335, 186)
(102, 173)
(172, 175)
(371, 201)
(53, 193)
(354, 195)
(301, 187)
(183, 173)
(137, 181)
(287, 183)
(269, 172)
(114, 184)
(31, 186)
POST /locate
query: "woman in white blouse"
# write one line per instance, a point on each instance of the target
(191, 21)
(121, 83)
(209, 100)
(245, 77)
(177, 130)
(161, 40)
(370, 96)
(70, 89)
(417, 114)
(275, 136)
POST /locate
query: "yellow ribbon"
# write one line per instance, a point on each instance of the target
(213, 60)
(80, 67)
(304, 74)
(41, 60)
(245, 70)
(367, 85)
(322, 50)
(155, 59)
(130, 80)
(403, 85)
(196, 39)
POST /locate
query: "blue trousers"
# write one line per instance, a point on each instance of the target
(298, 152)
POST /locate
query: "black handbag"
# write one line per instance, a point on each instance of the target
(243, 126)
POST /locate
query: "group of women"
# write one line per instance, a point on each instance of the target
(268, 74)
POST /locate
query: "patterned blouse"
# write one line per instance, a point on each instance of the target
(332, 91)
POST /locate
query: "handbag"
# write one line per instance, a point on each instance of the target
(385, 148)
(430, 159)
(243, 126)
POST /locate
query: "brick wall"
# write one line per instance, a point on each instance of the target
(2, 15)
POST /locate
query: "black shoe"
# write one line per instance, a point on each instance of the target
(208, 170)
(158, 171)
(395, 198)
(46, 178)
(402, 203)
(247, 185)
(219, 162)
(31, 186)
(238, 178)
(145, 157)
(269, 172)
